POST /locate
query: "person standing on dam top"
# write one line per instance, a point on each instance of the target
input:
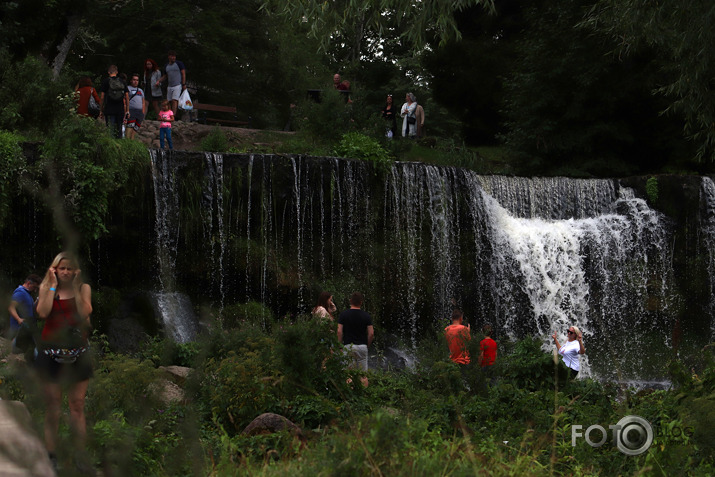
(175, 72)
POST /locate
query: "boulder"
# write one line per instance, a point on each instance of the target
(176, 374)
(268, 423)
(168, 392)
(22, 453)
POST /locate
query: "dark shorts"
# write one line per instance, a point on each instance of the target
(135, 118)
(51, 370)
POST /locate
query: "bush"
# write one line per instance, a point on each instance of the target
(215, 141)
(12, 166)
(29, 95)
(358, 146)
(83, 166)
(326, 120)
(125, 384)
(253, 312)
(529, 367)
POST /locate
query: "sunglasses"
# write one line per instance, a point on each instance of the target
(571, 332)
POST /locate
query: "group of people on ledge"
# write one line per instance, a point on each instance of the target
(355, 331)
(412, 114)
(123, 100)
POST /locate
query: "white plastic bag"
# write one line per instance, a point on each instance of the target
(185, 102)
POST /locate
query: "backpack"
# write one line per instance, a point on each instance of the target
(93, 106)
(116, 88)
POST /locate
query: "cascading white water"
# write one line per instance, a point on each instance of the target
(248, 226)
(529, 256)
(579, 271)
(178, 317)
(214, 230)
(707, 198)
(539, 262)
(173, 308)
(166, 204)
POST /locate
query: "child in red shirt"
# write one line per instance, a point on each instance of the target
(487, 348)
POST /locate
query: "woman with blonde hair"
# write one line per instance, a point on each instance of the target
(571, 349)
(64, 302)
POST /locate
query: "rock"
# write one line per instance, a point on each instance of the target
(268, 423)
(176, 374)
(168, 392)
(22, 453)
(5, 347)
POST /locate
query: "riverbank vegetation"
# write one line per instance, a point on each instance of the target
(425, 420)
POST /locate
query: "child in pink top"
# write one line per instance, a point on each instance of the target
(166, 116)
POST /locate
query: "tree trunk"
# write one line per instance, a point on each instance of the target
(63, 49)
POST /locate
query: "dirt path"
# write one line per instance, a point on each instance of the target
(187, 136)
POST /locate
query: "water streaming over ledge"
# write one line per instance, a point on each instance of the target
(529, 256)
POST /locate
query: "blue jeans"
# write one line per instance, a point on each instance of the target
(165, 132)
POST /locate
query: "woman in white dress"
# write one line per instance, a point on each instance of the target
(409, 122)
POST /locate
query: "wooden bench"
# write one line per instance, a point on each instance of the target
(202, 109)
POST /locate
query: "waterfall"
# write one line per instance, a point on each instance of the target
(213, 212)
(166, 205)
(530, 256)
(178, 317)
(541, 255)
(707, 198)
(173, 308)
(596, 273)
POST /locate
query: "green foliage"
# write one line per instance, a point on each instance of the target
(326, 120)
(83, 168)
(529, 367)
(355, 145)
(122, 383)
(215, 141)
(356, 21)
(167, 352)
(12, 166)
(651, 189)
(681, 39)
(154, 446)
(304, 348)
(582, 111)
(238, 314)
(241, 386)
(28, 95)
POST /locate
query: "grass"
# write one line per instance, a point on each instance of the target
(426, 422)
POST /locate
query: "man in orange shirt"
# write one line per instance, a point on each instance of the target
(458, 337)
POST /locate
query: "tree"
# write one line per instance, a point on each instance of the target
(356, 20)
(572, 105)
(682, 38)
(467, 74)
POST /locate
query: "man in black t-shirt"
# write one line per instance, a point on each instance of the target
(114, 99)
(355, 331)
